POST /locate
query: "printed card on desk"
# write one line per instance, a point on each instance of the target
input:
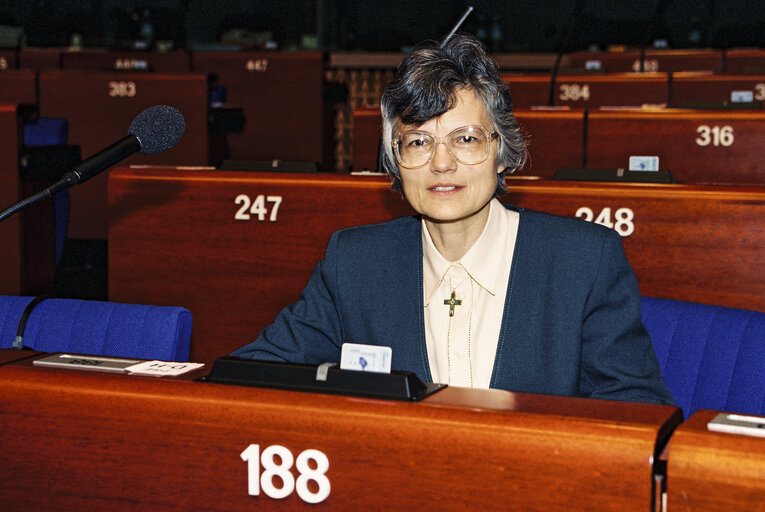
(644, 163)
(365, 358)
(162, 368)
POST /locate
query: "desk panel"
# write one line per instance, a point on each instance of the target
(281, 95)
(18, 86)
(689, 88)
(713, 471)
(178, 61)
(100, 108)
(27, 258)
(40, 59)
(11, 256)
(367, 132)
(745, 60)
(692, 243)
(174, 239)
(589, 90)
(89, 441)
(654, 60)
(8, 59)
(697, 146)
(555, 139)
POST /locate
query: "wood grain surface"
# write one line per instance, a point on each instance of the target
(84, 440)
(611, 89)
(688, 87)
(713, 471)
(173, 240)
(693, 153)
(555, 139)
(655, 60)
(97, 119)
(298, 126)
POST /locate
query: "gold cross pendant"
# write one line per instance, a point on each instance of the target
(453, 301)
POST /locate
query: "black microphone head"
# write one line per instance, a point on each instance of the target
(158, 128)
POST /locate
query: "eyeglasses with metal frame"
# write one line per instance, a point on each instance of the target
(469, 145)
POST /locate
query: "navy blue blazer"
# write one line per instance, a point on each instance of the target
(571, 323)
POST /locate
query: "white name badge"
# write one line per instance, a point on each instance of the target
(365, 358)
(741, 96)
(644, 163)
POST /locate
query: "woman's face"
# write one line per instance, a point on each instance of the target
(445, 190)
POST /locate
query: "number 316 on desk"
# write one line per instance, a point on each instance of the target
(271, 468)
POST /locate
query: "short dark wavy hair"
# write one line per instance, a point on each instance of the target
(426, 86)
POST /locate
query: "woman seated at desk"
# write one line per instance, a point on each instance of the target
(471, 292)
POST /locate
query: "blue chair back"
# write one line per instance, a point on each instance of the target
(711, 357)
(98, 328)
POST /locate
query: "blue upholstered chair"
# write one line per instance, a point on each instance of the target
(711, 357)
(99, 328)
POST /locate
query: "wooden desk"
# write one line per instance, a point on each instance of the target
(8, 59)
(713, 471)
(745, 60)
(174, 239)
(281, 96)
(700, 88)
(367, 132)
(89, 441)
(11, 257)
(698, 146)
(177, 61)
(590, 90)
(100, 108)
(693, 243)
(27, 259)
(40, 59)
(655, 60)
(18, 86)
(555, 139)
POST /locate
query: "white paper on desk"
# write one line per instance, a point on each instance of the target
(162, 368)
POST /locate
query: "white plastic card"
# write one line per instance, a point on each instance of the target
(741, 96)
(644, 163)
(162, 368)
(365, 358)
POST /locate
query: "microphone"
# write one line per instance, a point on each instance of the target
(573, 22)
(652, 22)
(381, 145)
(457, 25)
(154, 130)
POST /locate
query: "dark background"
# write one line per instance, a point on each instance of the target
(373, 25)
